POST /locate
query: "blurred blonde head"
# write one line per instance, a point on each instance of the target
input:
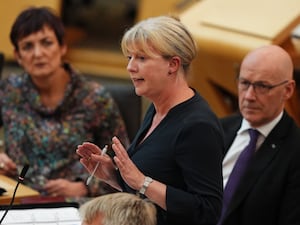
(118, 209)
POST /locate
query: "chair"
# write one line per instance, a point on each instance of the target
(130, 105)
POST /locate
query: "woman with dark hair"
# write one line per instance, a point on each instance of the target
(50, 108)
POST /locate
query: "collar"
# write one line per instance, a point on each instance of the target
(264, 129)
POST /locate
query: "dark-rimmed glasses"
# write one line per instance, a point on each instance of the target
(259, 87)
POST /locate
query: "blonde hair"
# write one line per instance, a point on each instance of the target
(119, 208)
(165, 35)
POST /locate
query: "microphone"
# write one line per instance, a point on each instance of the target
(23, 173)
(20, 180)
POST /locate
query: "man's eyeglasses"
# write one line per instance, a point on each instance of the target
(259, 87)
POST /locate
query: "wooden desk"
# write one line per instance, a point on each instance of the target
(10, 184)
(225, 31)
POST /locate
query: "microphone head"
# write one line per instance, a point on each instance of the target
(23, 172)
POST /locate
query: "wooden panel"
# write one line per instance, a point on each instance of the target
(10, 184)
(99, 62)
(267, 19)
(150, 8)
(225, 31)
(9, 11)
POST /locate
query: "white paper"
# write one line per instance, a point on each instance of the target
(42, 216)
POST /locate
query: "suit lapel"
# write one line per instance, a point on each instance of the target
(263, 158)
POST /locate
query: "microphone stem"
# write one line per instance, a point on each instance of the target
(11, 203)
(20, 180)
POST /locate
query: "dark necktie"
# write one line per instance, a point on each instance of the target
(238, 170)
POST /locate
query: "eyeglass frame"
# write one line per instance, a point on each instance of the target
(265, 88)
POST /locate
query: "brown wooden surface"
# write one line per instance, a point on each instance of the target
(225, 31)
(9, 10)
(10, 184)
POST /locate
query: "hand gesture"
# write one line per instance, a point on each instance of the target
(90, 155)
(129, 172)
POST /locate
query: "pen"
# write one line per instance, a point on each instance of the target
(104, 150)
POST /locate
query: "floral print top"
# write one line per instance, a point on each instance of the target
(46, 139)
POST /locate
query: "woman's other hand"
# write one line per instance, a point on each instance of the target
(7, 166)
(66, 188)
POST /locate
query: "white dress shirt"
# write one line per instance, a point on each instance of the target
(241, 141)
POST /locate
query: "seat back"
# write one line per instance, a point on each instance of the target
(130, 105)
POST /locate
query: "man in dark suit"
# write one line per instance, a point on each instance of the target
(268, 192)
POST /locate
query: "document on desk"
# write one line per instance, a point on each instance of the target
(42, 216)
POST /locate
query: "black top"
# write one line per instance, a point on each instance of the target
(185, 153)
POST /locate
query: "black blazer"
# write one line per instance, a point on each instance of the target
(269, 193)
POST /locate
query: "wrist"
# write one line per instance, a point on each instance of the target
(147, 182)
